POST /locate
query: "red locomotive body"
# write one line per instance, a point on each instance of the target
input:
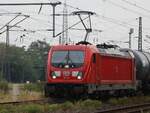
(89, 69)
(116, 70)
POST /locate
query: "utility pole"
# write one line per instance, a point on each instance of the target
(65, 25)
(140, 35)
(60, 40)
(130, 33)
(7, 35)
(54, 6)
(7, 64)
(6, 50)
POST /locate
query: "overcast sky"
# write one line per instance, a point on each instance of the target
(113, 17)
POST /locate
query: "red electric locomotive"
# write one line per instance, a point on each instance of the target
(89, 69)
(102, 69)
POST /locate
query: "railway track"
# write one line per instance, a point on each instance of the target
(38, 101)
(44, 100)
(138, 108)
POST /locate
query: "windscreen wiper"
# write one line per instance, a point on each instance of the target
(69, 59)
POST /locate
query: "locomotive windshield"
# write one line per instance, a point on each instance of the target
(67, 59)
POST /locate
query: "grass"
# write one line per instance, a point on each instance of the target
(88, 104)
(67, 107)
(129, 100)
(52, 108)
(34, 91)
(27, 92)
(37, 87)
(5, 97)
(31, 91)
(84, 106)
(31, 109)
(4, 86)
(29, 95)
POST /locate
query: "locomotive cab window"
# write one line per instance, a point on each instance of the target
(67, 59)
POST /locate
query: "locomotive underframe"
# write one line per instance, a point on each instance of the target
(110, 87)
(61, 89)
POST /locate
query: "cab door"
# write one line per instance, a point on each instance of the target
(96, 64)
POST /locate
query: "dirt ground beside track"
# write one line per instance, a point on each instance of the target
(17, 93)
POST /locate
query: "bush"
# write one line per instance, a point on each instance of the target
(4, 86)
(37, 87)
(31, 109)
(113, 101)
(124, 101)
(7, 109)
(53, 107)
(90, 104)
(60, 107)
(4, 111)
(1, 76)
(67, 105)
(120, 101)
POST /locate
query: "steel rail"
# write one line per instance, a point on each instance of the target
(138, 108)
(38, 101)
(44, 100)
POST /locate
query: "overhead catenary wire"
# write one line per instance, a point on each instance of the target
(109, 20)
(117, 22)
(97, 30)
(34, 30)
(39, 21)
(15, 24)
(114, 21)
(10, 21)
(73, 7)
(71, 26)
(8, 13)
(127, 9)
(18, 4)
(135, 5)
(126, 22)
(33, 3)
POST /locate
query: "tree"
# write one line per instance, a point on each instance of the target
(16, 64)
(20, 65)
(38, 51)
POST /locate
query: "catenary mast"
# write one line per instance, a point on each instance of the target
(64, 39)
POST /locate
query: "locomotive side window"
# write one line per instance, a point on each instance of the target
(69, 59)
(115, 52)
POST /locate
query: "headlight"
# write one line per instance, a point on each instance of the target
(77, 74)
(79, 77)
(54, 77)
(55, 74)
